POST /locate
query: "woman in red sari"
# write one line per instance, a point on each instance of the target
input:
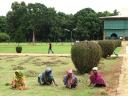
(96, 78)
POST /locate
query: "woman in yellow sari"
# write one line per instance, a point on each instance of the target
(19, 81)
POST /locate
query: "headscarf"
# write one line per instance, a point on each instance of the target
(69, 71)
(48, 73)
(48, 69)
(95, 68)
(18, 74)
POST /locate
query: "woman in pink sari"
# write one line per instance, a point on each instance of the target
(96, 78)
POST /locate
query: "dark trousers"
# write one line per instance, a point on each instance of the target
(50, 50)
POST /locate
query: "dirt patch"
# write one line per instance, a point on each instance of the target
(10, 60)
(53, 58)
(39, 63)
(1, 67)
(112, 77)
(49, 62)
(15, 67)
(28, 59)
(31, 73)
(9, 57)
(101, 93)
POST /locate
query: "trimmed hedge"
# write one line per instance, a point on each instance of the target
(85, 55)
(18, 49)
(117, 43)
(108, 47)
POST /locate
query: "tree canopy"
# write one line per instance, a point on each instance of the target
(36, 22)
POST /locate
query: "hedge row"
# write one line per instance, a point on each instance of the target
(86, 54)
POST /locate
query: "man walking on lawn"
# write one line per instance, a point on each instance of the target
(50, 48)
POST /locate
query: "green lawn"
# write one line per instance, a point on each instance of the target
(34, 65)
(58, 48)
(117, 50)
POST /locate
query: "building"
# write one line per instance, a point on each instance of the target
(115, 27)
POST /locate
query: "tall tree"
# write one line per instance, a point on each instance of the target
(87, 22)
(16, 21)
(36, 22)
(63, 22)
(2, 24)
(115, 12)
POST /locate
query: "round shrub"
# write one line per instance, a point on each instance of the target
(108, 47)
(85, 55)
(18, 49)
(4, 37)
(117, 43)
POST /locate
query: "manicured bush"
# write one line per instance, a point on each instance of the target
(108, 47)
(117, 43)
(18, 49)
(4, 37)
(85, 55)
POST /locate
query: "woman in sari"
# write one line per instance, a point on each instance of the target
(70, 80)
(46, 78)
(19, 81)
(96, 79)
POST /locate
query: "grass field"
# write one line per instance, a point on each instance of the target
(31, 66)
(58, 48)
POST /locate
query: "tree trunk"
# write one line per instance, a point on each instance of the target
(33, 37)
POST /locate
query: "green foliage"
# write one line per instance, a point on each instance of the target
(18, 49)
(36, 22)
(2, 24)
(87, 23)
(108, 47)
(116, 12)
(85, 55)
(4, 37)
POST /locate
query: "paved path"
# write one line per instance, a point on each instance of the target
(33, 54)
(122, 89)
(39, 54)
